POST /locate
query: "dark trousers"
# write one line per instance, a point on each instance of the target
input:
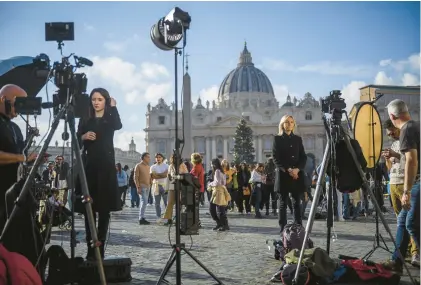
(243, 200)
(103, 223)
(257, 197)
(283, 203)
(135, 199)
(209, 195)
(234, 199)
(267, 194)
(123, 191)
(218, 214)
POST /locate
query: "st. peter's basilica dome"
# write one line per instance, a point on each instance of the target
(245, 78)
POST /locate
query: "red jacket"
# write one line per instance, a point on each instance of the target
(15, 269)
(199, 172)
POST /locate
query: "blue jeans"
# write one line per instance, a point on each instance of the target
(143, 202)
(409, 224)
(345, 213)
(162, 194)
(134, 197)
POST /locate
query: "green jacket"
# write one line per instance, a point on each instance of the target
(316, 260)
(234, 181)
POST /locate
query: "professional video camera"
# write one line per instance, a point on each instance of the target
(71, 86)
(333, 104)
(68, 82)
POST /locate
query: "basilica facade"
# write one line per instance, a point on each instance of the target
(209, 127)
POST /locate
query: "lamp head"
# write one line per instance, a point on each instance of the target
(170, 30)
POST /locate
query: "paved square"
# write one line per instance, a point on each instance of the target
(238, 256)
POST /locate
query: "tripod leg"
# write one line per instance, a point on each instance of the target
(374, 201)
(84, 184)
(202, 265)
(310, 221)
(167, 267)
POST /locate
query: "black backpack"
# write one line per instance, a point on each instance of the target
(348, 177)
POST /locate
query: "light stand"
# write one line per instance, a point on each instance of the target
(327, 157)
(377, 237)
(165, 35)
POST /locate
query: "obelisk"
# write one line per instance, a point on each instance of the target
(187, 108)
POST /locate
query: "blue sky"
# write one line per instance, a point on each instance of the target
(302, 47)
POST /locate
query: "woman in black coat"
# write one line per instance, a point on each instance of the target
(97, 134)
(243, 177)
(290, 159)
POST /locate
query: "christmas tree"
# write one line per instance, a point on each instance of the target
(243, 145)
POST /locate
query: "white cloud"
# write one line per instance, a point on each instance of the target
(409, 79)
(210, 94)
(122, 140)
(146, 82)
(382, 79)
(351, 93)
(412, 63)
(88, 27)
(323, 67)
(121, 45)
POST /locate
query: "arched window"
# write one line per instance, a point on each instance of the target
(200, 145)
(268, 143)
(162, 148)
(308, 116)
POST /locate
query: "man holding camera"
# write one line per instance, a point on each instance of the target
(11, 143)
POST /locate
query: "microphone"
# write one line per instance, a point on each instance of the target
(47, 105)
(84, 60)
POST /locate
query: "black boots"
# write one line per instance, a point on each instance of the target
(223, 224)
(91, 251)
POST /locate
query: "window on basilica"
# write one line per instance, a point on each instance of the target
(161, 147)
(218, 119)
(200, 145)
(161, 120)
(308, 116)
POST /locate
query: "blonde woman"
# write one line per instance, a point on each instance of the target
(289, 158)
(171, 193)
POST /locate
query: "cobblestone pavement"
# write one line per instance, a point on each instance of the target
(239, 256)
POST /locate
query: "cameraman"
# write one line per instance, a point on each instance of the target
(11, 143)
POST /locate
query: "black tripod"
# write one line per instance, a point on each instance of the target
(377, 188)
(335, 132)
(25, 194)
(178, 246)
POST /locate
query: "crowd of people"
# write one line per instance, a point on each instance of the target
(283, 182)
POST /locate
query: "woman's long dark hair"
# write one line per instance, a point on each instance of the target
(119, 167)
(216, 164)
(104, 93)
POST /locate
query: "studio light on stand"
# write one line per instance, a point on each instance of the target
(166, 34)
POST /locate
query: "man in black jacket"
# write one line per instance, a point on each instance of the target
(11, 143)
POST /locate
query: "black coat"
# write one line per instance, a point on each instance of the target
(288, 152)
(243, 178)
(100, 161)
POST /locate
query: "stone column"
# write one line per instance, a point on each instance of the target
(259, 149)
(225, 144)
(208, 152)
(213, 147)
(255, 147)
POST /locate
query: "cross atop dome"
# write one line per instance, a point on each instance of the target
(245, 57)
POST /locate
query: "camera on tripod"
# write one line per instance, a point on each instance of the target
(333, 103)
(71, 86)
